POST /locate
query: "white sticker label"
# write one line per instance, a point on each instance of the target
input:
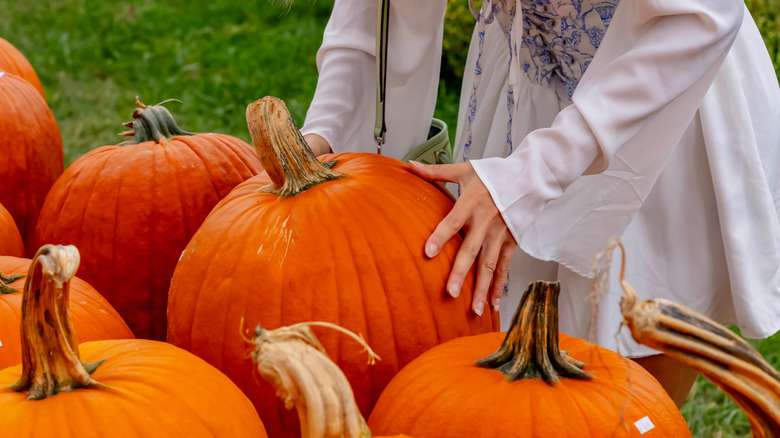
(644, 425)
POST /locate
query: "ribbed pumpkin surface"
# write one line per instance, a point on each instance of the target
(12, 61)
(347, 251)
(153, 389)
(93, 318)
(10, 240)
(444, 394)
(32, 152)
(132, 209)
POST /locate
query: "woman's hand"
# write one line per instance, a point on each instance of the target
(487, 240)
(317, 144)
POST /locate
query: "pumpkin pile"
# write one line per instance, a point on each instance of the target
(132, 208)
(108, 388)
(337, 239)
(188, 238)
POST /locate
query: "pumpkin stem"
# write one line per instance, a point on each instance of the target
(152, 123)
(715, 351)
(531, 348)
(6, 280)
(283, 152)
(50, 354)
(294, 362)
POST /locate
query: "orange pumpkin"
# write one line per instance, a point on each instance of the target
(108, 388)
(527, 387)
(348, 250)
(32, 152)
(10, 240)
(93, 317)
(12, 61)
(132, 208)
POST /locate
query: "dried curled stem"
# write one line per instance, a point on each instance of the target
(294, 362)
(715, 351)
(284, 154)
(50, 354)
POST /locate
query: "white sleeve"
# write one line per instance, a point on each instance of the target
(650, 74)
(344, 105)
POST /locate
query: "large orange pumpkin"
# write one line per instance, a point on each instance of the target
(347, 251)
(32, 152)
(528, 387)
(133, 388)
(10, 240)
(12, 61)
(132, 208)
(93, 317)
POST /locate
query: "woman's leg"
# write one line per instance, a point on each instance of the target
(676, 377)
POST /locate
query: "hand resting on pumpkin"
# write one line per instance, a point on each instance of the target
(487, 240)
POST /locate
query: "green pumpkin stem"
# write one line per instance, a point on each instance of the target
(152, 123)
(715, 351)
(283, 152)
(6, 280)
(50, 354)
(531, 348)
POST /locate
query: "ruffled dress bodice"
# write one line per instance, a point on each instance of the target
(560, 37)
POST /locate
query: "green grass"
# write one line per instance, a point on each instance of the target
(93, 57)
(766, 13)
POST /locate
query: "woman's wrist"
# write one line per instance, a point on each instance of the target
(317, 144)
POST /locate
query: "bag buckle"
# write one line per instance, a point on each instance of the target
(380, 140)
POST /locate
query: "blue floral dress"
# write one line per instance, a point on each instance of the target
(526, 60)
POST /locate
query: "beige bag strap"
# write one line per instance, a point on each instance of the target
(382, 20)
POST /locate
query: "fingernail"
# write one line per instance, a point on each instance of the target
(454, 289)
(479, 307)
(496, 302)
(431, 250)
(415, 163)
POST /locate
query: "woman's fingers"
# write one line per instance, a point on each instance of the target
(469, 251)
(487, 237)
(439, 172)
(501, 275)
(487, 268)
(448, 227)
(495, 258)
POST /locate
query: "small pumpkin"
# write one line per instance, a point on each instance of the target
(132, 208)
(93, 317)
(341, 242)
(32, 152)
(108, 388)
(534, 384)
(10, 240)
(14, 62)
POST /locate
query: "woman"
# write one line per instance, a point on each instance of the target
(654, 120)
